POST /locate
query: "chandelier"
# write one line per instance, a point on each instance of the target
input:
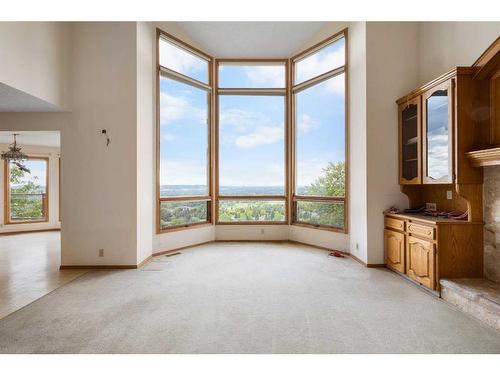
(15, 155)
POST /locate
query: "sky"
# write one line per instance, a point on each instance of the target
(37, 171)
(251, 128)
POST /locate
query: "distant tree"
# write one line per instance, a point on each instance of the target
(25, 201)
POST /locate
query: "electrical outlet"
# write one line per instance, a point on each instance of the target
(357, 246)
(431, 206)
(262, 231)
(101, 252)
(449, 194)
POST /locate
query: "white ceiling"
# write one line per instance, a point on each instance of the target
(14, 100)
(251, 39)
(32, 138)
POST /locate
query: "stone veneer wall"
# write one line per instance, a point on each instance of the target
(491, 203)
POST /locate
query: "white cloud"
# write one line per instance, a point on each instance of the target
(176, 107)
(336, 85)
(255, 174)
(266, 75)
(306, 123)
(239, 119)
(309, 170)
(179, 60)
(319, 63)
(183, 172)
(167, 136)
(263, 135)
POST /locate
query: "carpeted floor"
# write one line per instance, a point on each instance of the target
(244, 298)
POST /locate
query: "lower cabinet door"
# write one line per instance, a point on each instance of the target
(394, 245)
(420, 259)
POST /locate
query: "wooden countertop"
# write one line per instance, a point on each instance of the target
(431, 219)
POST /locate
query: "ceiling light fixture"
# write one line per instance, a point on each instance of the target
(15, 155)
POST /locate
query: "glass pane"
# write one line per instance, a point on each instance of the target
(182, 213)
(183, 139)
(28, 190)
(251, 210)
(320, 139)
(182, 61)
(410, 142)
(251, 76)
(251, 145)
(438, 152)
(328, 58)
(321, 213)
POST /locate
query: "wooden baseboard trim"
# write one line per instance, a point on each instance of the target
(30, 231)
(145, 261)
(367, 265)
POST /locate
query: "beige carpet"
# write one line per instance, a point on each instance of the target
(244, 298)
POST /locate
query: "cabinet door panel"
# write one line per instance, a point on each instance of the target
(394, 244)
(437, 134)
(420, 261)
(410, 157)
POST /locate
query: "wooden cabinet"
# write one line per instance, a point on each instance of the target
(394, 244)
(438, 125)
(426, 249)
(420, 261)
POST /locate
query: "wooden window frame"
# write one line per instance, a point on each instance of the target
(284, 92)
(296, 88)
(209, 88)
(288, 92)
(6, 175)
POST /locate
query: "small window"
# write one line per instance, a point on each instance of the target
(183, 61)
(234, 75)
(327, 58)
(27, 191)
(174, 214)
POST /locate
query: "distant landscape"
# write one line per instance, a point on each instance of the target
(317, 213)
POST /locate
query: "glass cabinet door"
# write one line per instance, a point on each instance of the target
(437, 135)
(409, 118)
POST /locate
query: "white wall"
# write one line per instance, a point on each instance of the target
(146, 109)
(391, 72)
(53, 184)
(34, 58)
(100, 183)
(445, 45)
(252, 232)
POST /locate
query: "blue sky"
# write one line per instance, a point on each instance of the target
(38, 171)
(251, 128)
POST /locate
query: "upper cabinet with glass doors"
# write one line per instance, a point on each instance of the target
(438, 124)
(437, 129)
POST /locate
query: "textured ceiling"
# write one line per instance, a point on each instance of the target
(13, 100)
(251, 39)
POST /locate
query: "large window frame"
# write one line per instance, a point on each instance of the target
(7, 217)
(209, 88)
(282, 92)
(295, 89)
(288, 92)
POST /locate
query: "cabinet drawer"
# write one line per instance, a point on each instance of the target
(422, 231)
(395, 224)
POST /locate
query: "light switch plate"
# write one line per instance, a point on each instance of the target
(430, 206)
(449, 194)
